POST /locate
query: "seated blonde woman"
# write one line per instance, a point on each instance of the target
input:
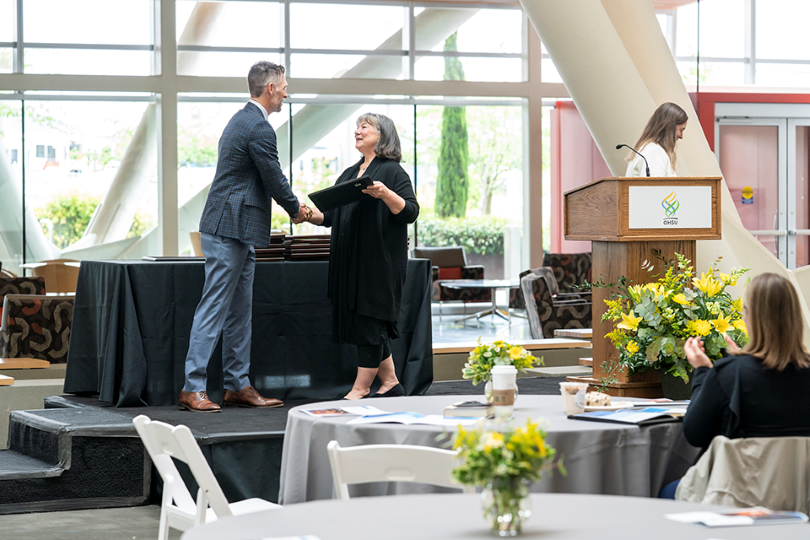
(757, 391)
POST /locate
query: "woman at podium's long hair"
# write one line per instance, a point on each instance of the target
(657, 142)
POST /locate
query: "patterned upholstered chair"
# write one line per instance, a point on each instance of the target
(547, 309)
(20, 285)
(451, 263)
(35, 326)
(516, 298)
(570, 269)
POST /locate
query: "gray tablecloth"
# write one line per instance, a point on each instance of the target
(457, 517)
(601, 458)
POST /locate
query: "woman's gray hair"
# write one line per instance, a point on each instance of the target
(261, 74)
(388, 146)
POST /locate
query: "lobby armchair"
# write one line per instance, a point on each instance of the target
(35, 326)
(547, 310)
(450, 263)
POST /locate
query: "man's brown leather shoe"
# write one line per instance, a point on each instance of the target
(197, 402)
(249, 397)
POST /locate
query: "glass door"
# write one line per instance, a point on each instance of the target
(798, 132)
(752, 155)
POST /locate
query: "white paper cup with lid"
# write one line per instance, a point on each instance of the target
(573, 394)
(504, 382)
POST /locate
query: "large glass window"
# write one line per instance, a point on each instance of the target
(781, 27)
(470, 171)
(87, 37)
(223, 39)
(780, 55)
(78, 152)
(92, 153)
(11, 154)
(488, 42)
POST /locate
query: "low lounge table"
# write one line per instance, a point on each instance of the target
(493, 285)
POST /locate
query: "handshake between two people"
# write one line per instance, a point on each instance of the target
(305, 213)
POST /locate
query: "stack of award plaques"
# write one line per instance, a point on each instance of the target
(273, 252)
(313, 247)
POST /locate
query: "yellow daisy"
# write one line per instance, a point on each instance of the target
(632, 347)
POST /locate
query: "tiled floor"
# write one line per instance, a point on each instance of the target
(448, 329)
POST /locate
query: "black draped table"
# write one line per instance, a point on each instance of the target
(132, 320)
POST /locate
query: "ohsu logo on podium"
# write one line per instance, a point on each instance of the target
(670, 205)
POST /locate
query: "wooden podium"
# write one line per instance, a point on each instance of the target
(626, 219)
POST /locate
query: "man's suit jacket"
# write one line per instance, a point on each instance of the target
(247, 180)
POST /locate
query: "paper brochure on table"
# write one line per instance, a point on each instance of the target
(344, 411)
(737, 518)
(649, 415)
(660, 402)
(409, 418)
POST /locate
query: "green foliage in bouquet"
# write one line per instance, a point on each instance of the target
(657, 318)
(499, 353)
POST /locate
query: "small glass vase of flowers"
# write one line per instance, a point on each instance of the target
(656, 318)
(498, 353)
(505, 463)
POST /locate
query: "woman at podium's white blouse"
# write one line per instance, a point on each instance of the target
(657, 143)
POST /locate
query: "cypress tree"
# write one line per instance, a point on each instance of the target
(452, 184)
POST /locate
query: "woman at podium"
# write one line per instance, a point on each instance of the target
(369, 255)
(657, 143)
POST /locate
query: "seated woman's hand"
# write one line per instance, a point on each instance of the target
(732, 347)
(696, 353)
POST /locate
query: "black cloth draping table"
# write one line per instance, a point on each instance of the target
(132, 319)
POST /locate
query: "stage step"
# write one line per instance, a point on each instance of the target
(16, 465)
(69, 459)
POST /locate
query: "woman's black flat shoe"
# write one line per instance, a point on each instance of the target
(394, 391)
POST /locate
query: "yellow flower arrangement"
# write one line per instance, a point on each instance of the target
(655, 319)
(505, 463)
(498, 353)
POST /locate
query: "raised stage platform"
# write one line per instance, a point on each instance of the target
(82, 453)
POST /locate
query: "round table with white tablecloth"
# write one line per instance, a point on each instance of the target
(601, 458)
(458, 517)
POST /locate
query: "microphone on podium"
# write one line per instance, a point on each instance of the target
(618, 147)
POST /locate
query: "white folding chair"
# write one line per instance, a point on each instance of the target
(178, 510)
(391, 463)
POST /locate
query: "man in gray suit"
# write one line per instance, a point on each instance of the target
(236, 218)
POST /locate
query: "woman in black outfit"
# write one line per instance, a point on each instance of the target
(760, 390)
(369, 255)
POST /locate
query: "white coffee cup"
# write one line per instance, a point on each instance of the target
(573, 394)
(504, 382)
